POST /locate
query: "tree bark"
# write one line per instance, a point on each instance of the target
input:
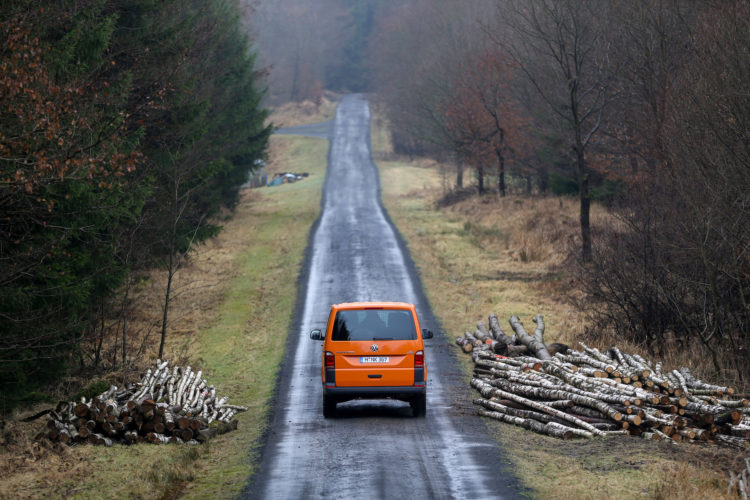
(536, 343)
(500, 171)
(488, 391)
(167, 298)
(532, 425)
(124, 312)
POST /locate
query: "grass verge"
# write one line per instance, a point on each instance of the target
(241, 351)
(233, 326)
(245, 347)
(505, 255)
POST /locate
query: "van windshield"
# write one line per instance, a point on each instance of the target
(374, 324)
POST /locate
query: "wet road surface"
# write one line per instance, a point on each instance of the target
(372, 449)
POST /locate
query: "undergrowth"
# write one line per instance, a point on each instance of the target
(478, 255)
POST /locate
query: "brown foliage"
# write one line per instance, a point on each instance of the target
(483, 120)
(45, 130)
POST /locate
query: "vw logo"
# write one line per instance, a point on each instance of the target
(374, 347)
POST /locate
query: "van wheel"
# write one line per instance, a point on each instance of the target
(419, 405)
(329, 406)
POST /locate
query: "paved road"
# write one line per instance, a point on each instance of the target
(373, 449)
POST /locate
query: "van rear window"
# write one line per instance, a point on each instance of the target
(371, 324)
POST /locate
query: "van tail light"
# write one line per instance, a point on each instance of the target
(419, 359)
(330, 360)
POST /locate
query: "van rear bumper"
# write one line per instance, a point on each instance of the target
(400, 392)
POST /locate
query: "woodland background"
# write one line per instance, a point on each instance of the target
(641, 106)
(128, 126)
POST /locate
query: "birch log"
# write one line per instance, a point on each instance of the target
(534, 343)
(608, 392)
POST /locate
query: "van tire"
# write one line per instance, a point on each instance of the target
(419, 405)
(329, 406)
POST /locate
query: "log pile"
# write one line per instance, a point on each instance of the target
(568, 393)
(166, 406)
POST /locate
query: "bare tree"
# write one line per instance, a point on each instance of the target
(295, 39)
(675, 267)
(560, 47)
(710, 146)
(653, 41)
(419, 59)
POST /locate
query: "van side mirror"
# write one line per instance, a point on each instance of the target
(316, 335)
(426, 334)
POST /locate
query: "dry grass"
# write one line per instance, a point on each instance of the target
(484, 255)
(507, 255)
(231, 312)
(616, 467)
(304, 113)
(685, 480)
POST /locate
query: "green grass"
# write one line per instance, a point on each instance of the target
(246, 346)
(243, 350)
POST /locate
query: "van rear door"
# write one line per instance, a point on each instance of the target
(374, 347)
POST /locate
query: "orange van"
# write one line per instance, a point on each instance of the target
(373, 350)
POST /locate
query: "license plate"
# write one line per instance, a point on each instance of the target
(374, 359)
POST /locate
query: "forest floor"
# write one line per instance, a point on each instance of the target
(230, 316)
(507, 256)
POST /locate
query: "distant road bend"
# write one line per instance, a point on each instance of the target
(372, 449)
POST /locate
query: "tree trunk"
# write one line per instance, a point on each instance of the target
(101, 334)
(585, 197)
(532, 425)
(506, 343)
(585, 222)
(480, 179)
(500, 171)
(124, 313)
(167, 296)
(591, 400)
(582, 171)
(487, 391)
(543, 177)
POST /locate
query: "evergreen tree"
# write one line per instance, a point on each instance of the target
(124, 126)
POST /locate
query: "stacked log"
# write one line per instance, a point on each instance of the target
(568, 393)
(166, 406)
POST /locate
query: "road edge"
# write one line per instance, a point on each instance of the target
(283, 375)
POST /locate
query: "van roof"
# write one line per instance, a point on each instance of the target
(373, 305)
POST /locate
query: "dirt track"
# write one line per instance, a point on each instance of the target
(373, 449)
